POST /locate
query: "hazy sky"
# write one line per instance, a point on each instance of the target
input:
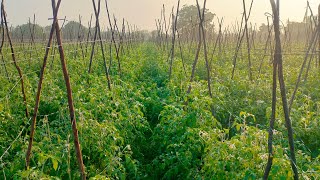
(144, 12)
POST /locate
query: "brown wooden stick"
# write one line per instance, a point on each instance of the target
(1, 46)
(113, 39)
(278, 59)
(240, 39)
(266, 46)
(93, 44)
(313, 52)
(319, 35)
(272, 119)
(202, 18)
(97, 11)
(79, 40)
(70, 99)
(247, 37)
(14, 59)
(88, 35)
(174, 29)
(181, 54)
(116, 29)
(36, 107)
(311, 43)
(195, 62)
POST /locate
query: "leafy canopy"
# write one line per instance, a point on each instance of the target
(189, 17)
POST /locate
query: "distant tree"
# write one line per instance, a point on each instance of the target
(298, 30)
(263, 32)
(263, 28)
(154, 34)
(47, 29)
(24, 31)
(71, 29)
(188, 17)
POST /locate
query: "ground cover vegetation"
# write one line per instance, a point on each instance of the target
(181, 105)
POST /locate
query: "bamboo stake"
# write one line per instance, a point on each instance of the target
(4, 15)
(70, 99)
(38, 96)
(278, 59)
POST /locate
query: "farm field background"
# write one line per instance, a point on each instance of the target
(143, 108)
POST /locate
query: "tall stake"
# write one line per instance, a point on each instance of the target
(202, 19)
(1, 46)
(14, 59)
(311, 44)
(194, 65)
(174, 29)
(181, 54)
(70, 99)
(97, 12)
(113, 39)
(93, 43)
(273, 117)
(319, 35)
(240, 39)
(89, 34)
(36, 107)
(247, 37)
(266, 45)
(278, 59)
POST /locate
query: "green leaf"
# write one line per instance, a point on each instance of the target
(54, 164)
(242, 113)
(238, 127)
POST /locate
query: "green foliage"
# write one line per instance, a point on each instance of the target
(148, 127)
(189, 14)
(24, 31)
(178, 143)
(71, 30)
(243, 156)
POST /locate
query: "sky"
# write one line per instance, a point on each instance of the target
(144, 12)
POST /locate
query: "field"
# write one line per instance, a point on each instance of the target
(150, 124)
